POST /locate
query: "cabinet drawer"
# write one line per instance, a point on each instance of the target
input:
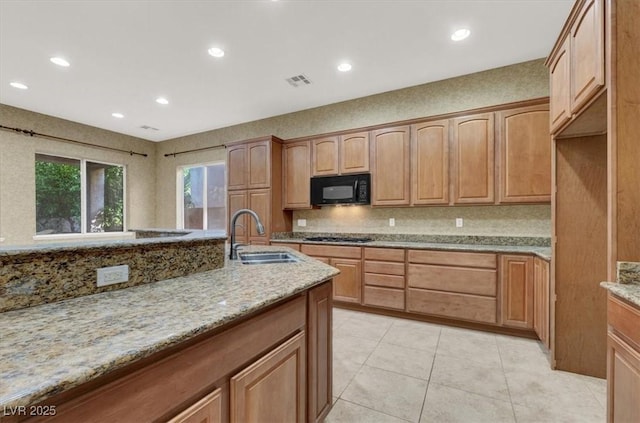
(331, 251)
(453, 279)
(384, 297)
(384, 268)
(286, 244)
(452, 258)
(624, 319)
(384, 254)
(458, 306)
(391, 281)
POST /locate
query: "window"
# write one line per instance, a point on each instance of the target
(202, 197)
(78, 196)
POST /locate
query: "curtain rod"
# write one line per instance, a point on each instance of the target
(53, 137)
(194, 150)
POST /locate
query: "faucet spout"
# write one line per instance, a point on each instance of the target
(233, 254)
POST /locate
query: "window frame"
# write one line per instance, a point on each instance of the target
(180, 194)
(83, 201)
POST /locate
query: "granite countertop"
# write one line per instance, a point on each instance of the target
(180, 236)
(53, 347)
(542, 252)
(628, 284)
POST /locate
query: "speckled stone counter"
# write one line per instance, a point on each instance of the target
(33, 275)
(628, 283)
(476, 244)
(53, 347)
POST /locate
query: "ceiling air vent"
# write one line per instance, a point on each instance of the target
(151, 128)
(298, 80)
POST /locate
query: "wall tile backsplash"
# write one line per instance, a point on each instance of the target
(520, 220)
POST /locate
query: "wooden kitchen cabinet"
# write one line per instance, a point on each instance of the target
(325, 153)
(259, 200)
(354, 153)
(430, 163)
(623, 361)
(207, 410)
(259, 164)
(296, 175)
(237, 200)
(473, 162)
(273, 389)
(524, 145)
(237, 170)
(320, 350)
(560, 87)
(516, 284)
(390, 166)
(384, 278)
(541, 298)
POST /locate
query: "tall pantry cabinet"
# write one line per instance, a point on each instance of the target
(254, 181)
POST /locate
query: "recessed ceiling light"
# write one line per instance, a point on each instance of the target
(162, 100)
(460, 34)
(18, 85)
(344, 67)
(60, 62)
(216, 51)
(117, 115)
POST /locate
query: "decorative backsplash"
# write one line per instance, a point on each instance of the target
(629, 272)
(42, 276)
(518, 221)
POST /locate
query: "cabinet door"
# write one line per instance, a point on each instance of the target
(325, 156)
(354, 153)
(560, 87)
(430, 163)
(237, 167)
(347, 286)
(237, 201)
(516, 283)
(273, 389)
(296, 161)
(623, 379)
(541, 300)
(525, 155)
(259, 201)
(259, 164)
(473, 159)
(207, 410)
(319, 347)
(390, 162)
(587, 53)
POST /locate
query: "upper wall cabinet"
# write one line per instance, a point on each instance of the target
(341, 154)
(473, 159)
(249, 165)
(390, 166)
(577, 63)
(237, 167)
(430, 163)
(296, 161)
(524, 147)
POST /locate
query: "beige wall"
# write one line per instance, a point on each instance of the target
(497, 86)
(17, 169)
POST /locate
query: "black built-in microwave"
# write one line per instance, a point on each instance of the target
(344, 189)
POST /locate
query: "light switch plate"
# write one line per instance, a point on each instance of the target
(112, 275)
(459, 222)
(302, 222)
(392, 221)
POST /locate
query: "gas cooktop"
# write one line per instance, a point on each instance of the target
(336, 239)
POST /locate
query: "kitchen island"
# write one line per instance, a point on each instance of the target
(151, 351)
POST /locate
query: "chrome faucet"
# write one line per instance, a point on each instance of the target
(233, 254)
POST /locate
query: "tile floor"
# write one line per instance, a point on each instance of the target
(395, 370)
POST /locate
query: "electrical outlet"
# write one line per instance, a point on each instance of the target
(392, 221)
(112, 275)
(459, 222)
(302, 222)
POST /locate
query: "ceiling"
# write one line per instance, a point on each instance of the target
(125, 54)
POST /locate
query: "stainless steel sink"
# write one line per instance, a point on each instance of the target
(267, 258)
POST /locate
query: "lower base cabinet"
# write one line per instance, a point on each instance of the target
(207, 410)
(272, 389)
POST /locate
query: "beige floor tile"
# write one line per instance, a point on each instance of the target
(347, 412)
(470, 345)
(387, 392)
(522, 354)
(343, 372)
(373, 329)
(403, 360)
(483, 379)
(419, 336)
(597, 386)
(555, 414)
(352, 348)
(449, 405)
